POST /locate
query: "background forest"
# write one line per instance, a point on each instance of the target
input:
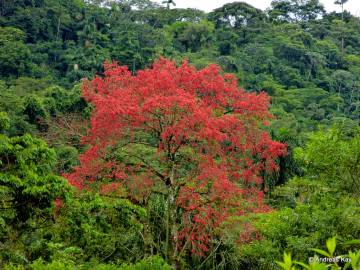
(305, 59)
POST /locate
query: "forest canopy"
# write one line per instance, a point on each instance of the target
(139, 135)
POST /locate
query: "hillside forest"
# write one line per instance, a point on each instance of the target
(135, 135)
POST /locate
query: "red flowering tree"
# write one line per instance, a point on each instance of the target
(191, 136)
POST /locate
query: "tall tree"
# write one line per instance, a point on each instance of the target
(341, 3)
(168, 3)
(191, 137)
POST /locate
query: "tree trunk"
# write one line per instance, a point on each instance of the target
(58, 28)
(174, 242)
(173, 215)
(342, 30)
(171, 242)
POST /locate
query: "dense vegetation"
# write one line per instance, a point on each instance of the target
(173, 164)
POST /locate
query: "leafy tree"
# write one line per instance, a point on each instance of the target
(160, 18)
(334, 157)
(191, 136)
(344, 84)
(191, 36)
(236, 15)
(341, 3)
(296, 10)
(14, 53)
(135, 45)
(28, 190)
(168, 3)
(240, 17)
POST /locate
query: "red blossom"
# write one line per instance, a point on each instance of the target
(58, 203)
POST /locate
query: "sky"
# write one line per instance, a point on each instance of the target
(352, 6)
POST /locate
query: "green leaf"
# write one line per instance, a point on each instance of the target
(322, 252)
(303, 265)
(282, 265)
(287, 259)
(331, 245)
(355, 258)
(352, 242)
(320, 266)
(287, 262)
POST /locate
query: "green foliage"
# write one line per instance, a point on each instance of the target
(295, 10)
(35, 112)
(14, 53)
(328, 261)
(308, 215)
(59, 101)
(67, 158)
(148, 263)
(312, 208)
(99, 227)
(4, 121)
(28, 190)
(191, 37)
(333, 156)
(26, 165)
